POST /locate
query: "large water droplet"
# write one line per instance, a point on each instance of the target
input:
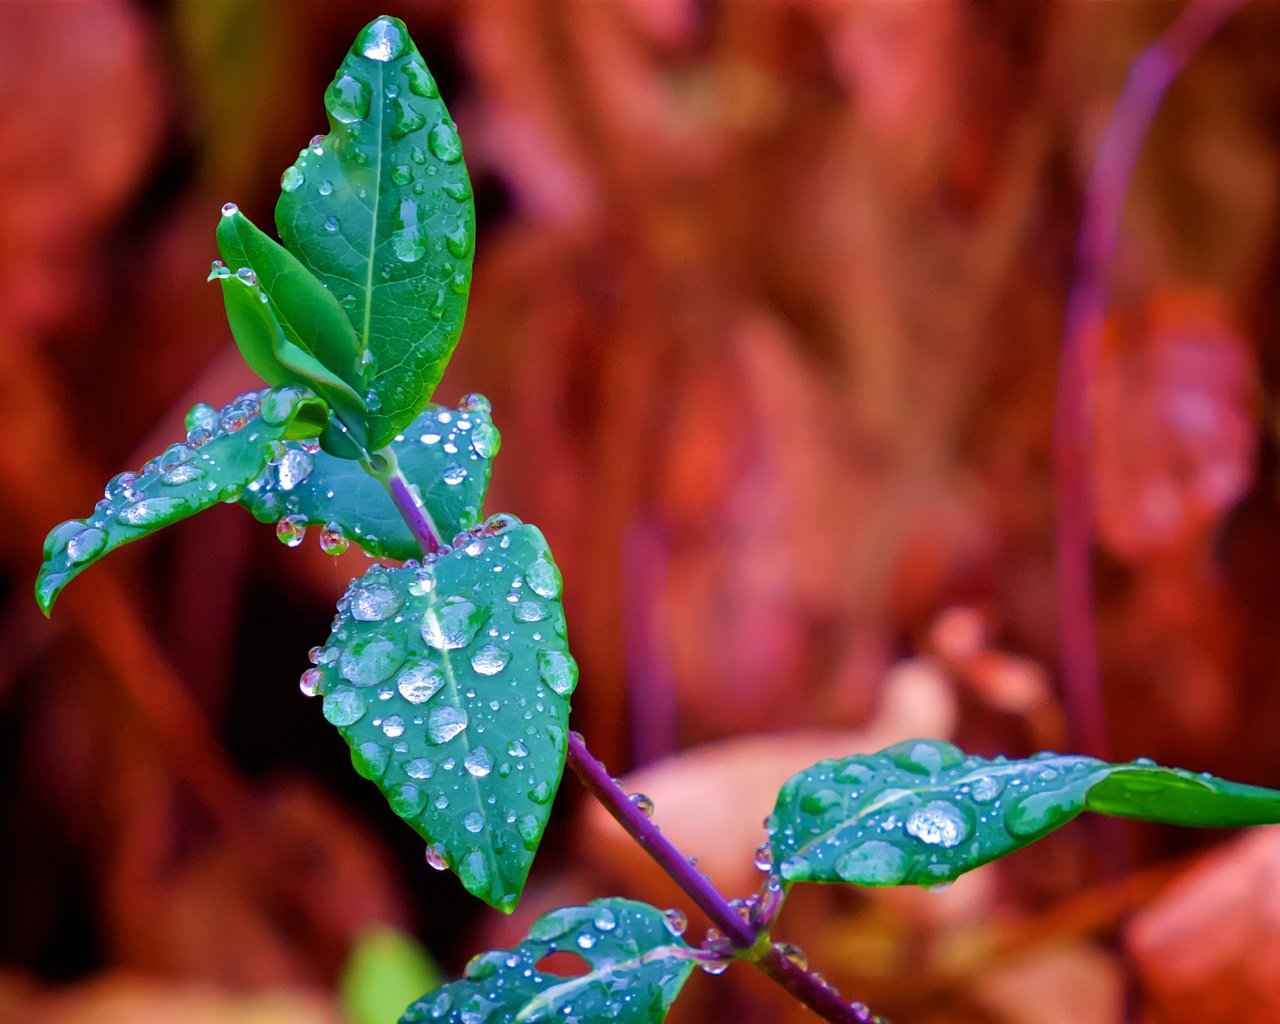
(529, 611)
(310, 682)
(444, 143)
(406, 800)
(420, 81)
(445, 722)
(873, 863)
(675, 921)
(343, 707)
(473, 821)
(332, 540)
(152, 511)
(437, 860)
(369, 660)
(473, 872)
(454, 474)
(347, 99)
(291, 530)
(924, 757)
(986, 788)
(558, 670)
(938, 823)
(543, 577)
(407, 119)
(294, 468)
(374, 602)
(370, 759)
(479, 762)
(85, 544)
(642, 802)
(485, 440)
(490, 659)
(452, 623)
(420, 768)
(291, 180)
(1037, 813)
(383, 39)
(420, 682)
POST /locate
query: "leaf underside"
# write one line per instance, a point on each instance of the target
(636, 968)
(450, 681)
(225, 450)
(381, 211)
(446, 453)
(922, 812)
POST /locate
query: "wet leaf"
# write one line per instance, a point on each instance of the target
(381, 211)
(922, 812)
(446, 453)
(451, 681)
(224, 450)
(635, 965)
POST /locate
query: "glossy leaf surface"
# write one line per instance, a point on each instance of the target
(450, 681)
(922, 812)
(636, 968)
(272, 356)
(446, 453)
(381, 211)
(224, 450)
(307, 312)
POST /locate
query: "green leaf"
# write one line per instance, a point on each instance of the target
(307, 312)
(224, 450)
(387, 969)
(446, 453)
(381, 211)
(923, 812)
(636, 968)
(275, 358)
(450, 681)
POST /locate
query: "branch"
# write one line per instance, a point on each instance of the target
(1150, 77)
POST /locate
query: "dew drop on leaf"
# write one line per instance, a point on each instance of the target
(420, 682)
(343, 707)
(445, 722)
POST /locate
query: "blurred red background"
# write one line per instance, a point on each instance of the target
(768, 301)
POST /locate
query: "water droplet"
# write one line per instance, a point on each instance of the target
(420, 81)
(85, 544)
(423, 582)
(874, 862)
(444, 143)
(485, 440)
(408, 119)
(152, 511)
(453, 474)
(291, 180)
(490, 659)
(436, 859)
(326, 187)
(291, 530)
(542, 792)
(420, 682)
(675, 921)
(393, 727)
(332, 540)
(311, 682)
(543, 577)
(452, 623)
(383, 39)
(343, 707)
(1037, 813)
(420, 768)
(331, 224)
(987, 788)
(121, 486)
(924, 757)
(558, 670)
(294, 468)
(529, 611)
(401, 174)
(938, 823)
(764, 857)
(642, 803)
(473, 872)
(406, 800)
(374, 602)
(605, 920)
(370, 759)
(459, 239)
(794, 954)
(479, 762)
(445, 722)
(369, 660)
(517, 748)
(230, 209)
(347, 99)
(473, 821)
(821, 801)
(713, 967)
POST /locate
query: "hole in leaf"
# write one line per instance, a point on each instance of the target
(563, 964)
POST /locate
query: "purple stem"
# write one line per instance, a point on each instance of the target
(1150, 76)
(807, 987)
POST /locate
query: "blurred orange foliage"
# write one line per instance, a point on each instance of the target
(768, 300)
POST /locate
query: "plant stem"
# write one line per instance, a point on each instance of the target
(1150, 77)
(807, 987)
(804, 985)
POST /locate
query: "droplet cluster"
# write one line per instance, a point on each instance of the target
(452, 702)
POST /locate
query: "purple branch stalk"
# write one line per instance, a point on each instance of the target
(805, 985)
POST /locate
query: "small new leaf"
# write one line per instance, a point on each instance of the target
(635, 969)
(450, 681)
(224, 450)
(446, 453)
(923, 812)
(381, 211)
